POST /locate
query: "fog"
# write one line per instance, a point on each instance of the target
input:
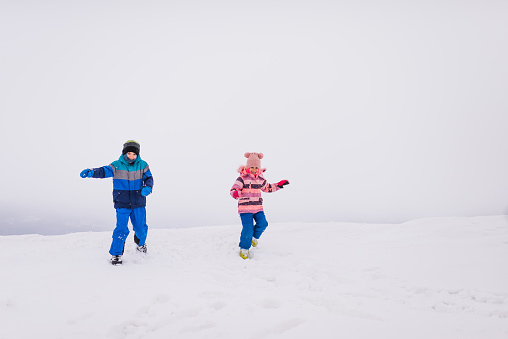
(374, 111)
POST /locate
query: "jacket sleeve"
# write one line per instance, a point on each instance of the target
(104, 172)
(269, 188)
(237, 186)
(148, 178)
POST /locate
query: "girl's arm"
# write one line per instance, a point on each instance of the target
(269, 188)
(237, 187)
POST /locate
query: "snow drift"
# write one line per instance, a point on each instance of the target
(430, 278)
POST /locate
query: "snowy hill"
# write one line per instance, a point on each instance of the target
(431, 278)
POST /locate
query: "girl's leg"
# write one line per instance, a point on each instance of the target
(261, 224)
(138, 219)
(247, 230)
(121, 231)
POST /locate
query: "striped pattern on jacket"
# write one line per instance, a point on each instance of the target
(249, 188)
(128, 180)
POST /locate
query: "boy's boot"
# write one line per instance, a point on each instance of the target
(116, 260)
(141, 249)
(244, 253)
(255, 242)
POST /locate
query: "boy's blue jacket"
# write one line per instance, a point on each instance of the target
(128, 180)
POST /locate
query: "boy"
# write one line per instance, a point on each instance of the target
(132, 182)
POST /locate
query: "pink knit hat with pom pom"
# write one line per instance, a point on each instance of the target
(253, 159)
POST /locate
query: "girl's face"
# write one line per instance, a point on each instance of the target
(253, 170)
(131, 155)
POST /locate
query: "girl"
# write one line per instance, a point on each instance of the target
(247, 190)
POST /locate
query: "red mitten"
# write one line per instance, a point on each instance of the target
(235, 194)
(282, 183)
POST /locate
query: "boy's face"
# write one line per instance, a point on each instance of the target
(253, 170)
(131, 155)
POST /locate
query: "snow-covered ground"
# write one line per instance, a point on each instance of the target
(430, 278)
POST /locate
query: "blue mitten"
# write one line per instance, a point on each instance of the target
(146, 190)
(87, 173)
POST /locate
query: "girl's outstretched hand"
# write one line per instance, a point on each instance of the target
(282, 183)
(235, 194)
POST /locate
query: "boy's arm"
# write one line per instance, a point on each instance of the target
(103, 172)
(147, 182)
(148, 178)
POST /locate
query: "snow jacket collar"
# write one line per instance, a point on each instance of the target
(244, 171)
(123, 159)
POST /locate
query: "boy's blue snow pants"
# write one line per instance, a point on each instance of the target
(250, 230)
(138, 220)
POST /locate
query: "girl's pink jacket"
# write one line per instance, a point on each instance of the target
(249, 188)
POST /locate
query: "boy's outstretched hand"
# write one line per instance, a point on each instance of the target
(282, 183)
(146, 190)
(86, 173)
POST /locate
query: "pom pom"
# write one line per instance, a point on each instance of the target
(260, 155)
(247, 155)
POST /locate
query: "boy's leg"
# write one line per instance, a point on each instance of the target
(138, 219)
(121, 231)
(247, 230)
(261, 224)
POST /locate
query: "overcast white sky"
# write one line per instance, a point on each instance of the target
(375, 111)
